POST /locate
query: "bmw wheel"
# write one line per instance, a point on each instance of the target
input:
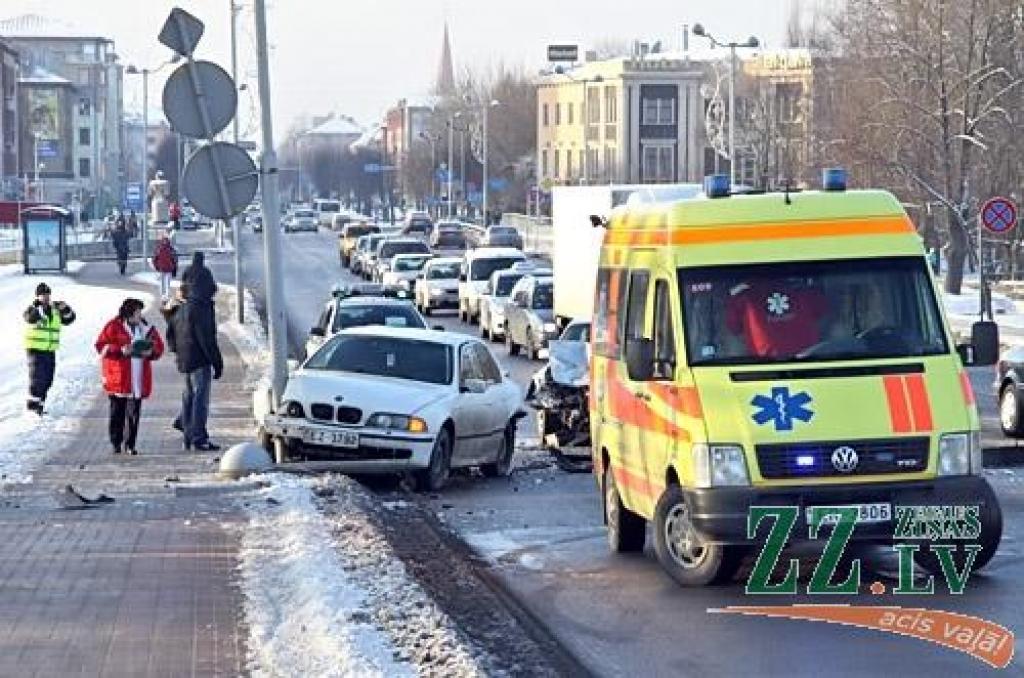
(682, 553)
(510, 344)
(435, 476)
(1010, 418)
(502, 466)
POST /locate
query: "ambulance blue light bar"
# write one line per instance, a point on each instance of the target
(717, 186)
(833, 179)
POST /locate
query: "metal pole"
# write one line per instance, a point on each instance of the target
(462, 162)
(236, 227)
(145, 161)
(35, 156)
(451, 161)
(981, 272)
(732, 114)
(483, 203)
(433, 171)
(276, 318)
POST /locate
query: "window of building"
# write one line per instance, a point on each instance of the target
(609, 163)
(611, 105)
(569, 113)
(83, 76)
(84, 138)
(568, 164)
(557, 157)
(84, 167)
(89, 49)
(558, 114)
(584, 169)
(659, 163)
(84, 107)
(544, 114)
(543, 163)
(594, 105)
(659, 112)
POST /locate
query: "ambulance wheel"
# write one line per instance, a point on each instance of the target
(626, 530)
(991, 518)
(1010, 418)
(687, 559)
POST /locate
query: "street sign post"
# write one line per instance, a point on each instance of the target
(194, 86)
(569, 53)
(999, 215)
(200, 181)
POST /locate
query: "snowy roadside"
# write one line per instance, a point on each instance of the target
(26, 441)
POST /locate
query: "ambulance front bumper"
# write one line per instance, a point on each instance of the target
(720, 514)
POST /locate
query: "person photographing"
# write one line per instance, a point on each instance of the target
(42, 339)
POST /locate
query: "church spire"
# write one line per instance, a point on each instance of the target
(446, 72)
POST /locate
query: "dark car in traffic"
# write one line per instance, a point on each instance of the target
(1009, 385)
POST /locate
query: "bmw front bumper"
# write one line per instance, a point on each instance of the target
(352, 449)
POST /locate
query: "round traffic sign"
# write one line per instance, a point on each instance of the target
(183, 99)
(201, 179)
(999, 215)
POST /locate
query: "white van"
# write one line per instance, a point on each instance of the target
(325, 211)
(477, 268)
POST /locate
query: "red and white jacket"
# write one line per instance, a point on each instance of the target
(117, 367)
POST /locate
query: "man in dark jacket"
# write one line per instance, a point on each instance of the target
(192, 336)
(120, 238)
(42, 339)
(202, 286)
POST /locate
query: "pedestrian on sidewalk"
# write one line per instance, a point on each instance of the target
(165, 262)
(200, 280)
(133, 224)
(128, 345)
(42, 339)
(120, 238)
(192, 335)
(174, 212)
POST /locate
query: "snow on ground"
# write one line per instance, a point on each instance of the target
(305, 613)
(249, 338)
(26, 440)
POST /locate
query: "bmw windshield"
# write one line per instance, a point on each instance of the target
(423, 361)
(857, 309)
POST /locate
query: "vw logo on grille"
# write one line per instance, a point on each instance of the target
(845, 459)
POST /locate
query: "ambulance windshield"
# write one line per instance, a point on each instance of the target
(854, 309)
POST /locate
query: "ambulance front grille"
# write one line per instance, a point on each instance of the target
(815, 460)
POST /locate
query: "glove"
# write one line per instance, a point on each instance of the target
(217, 371)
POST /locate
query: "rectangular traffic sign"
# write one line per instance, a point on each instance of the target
(563, 52)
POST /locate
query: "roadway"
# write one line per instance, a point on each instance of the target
(541, 530)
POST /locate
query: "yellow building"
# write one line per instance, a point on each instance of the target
(624, 120)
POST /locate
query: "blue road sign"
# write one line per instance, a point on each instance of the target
(48, 148)
(498, 183)
(371, 168)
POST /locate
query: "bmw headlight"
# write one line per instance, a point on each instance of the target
(397, 422)
(293, 409)
(720, 466)
(960, 454)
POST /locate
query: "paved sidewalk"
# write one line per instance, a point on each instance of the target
(143, 586)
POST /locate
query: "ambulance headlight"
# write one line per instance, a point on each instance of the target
(960, 454)
(720, 466)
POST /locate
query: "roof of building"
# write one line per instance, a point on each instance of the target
(339, 126)
(41, 76)
(37, 26)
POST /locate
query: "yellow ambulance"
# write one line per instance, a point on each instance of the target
(769, 350)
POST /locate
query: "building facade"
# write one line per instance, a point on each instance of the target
(139, 139)
(71, 113)
(625, 120)
(9, 72)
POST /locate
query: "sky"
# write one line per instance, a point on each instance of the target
(359, 57)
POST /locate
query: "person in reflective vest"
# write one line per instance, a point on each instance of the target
(42, 339)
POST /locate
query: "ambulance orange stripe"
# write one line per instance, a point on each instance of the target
(631, 411)
(920, 406)
(764, 231)
(966, 389)
(636, 484)
(685, 400)
(899, 413)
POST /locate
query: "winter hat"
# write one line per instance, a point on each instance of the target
(42, 288)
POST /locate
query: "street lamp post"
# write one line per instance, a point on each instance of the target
(35, 166)
(236, 227)
(430, 138)
(751, 42)
(487, 107)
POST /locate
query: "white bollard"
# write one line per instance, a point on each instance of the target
(244, 459)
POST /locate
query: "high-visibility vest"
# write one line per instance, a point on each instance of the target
(45, 334)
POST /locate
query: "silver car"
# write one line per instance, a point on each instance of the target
(494, 302)
(502, 236)
(366, 248)
(438, 285)
(301, 220)
(404, 270)
(530, 318)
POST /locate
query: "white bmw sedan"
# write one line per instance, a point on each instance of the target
(389, 400)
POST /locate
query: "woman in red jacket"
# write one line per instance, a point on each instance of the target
(127, 346)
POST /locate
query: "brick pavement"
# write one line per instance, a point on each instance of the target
(141, 587)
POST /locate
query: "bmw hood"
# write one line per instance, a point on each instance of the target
(369, 393)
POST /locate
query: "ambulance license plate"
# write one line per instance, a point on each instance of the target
(346, 439)
(866, 513)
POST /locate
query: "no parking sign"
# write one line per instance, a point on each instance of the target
(999, 215)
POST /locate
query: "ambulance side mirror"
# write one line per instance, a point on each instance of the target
(985, 343)
(640, 359)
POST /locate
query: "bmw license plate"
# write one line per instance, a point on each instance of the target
(866, 513)
(334, 438)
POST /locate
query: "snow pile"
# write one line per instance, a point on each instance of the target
(306, 614)
(250, 339)
(967, 303)
(26, 441)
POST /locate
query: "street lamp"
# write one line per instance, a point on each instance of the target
(432, 139)
(487, 107)
(144, 72)
(751, 43)
(451, 159)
